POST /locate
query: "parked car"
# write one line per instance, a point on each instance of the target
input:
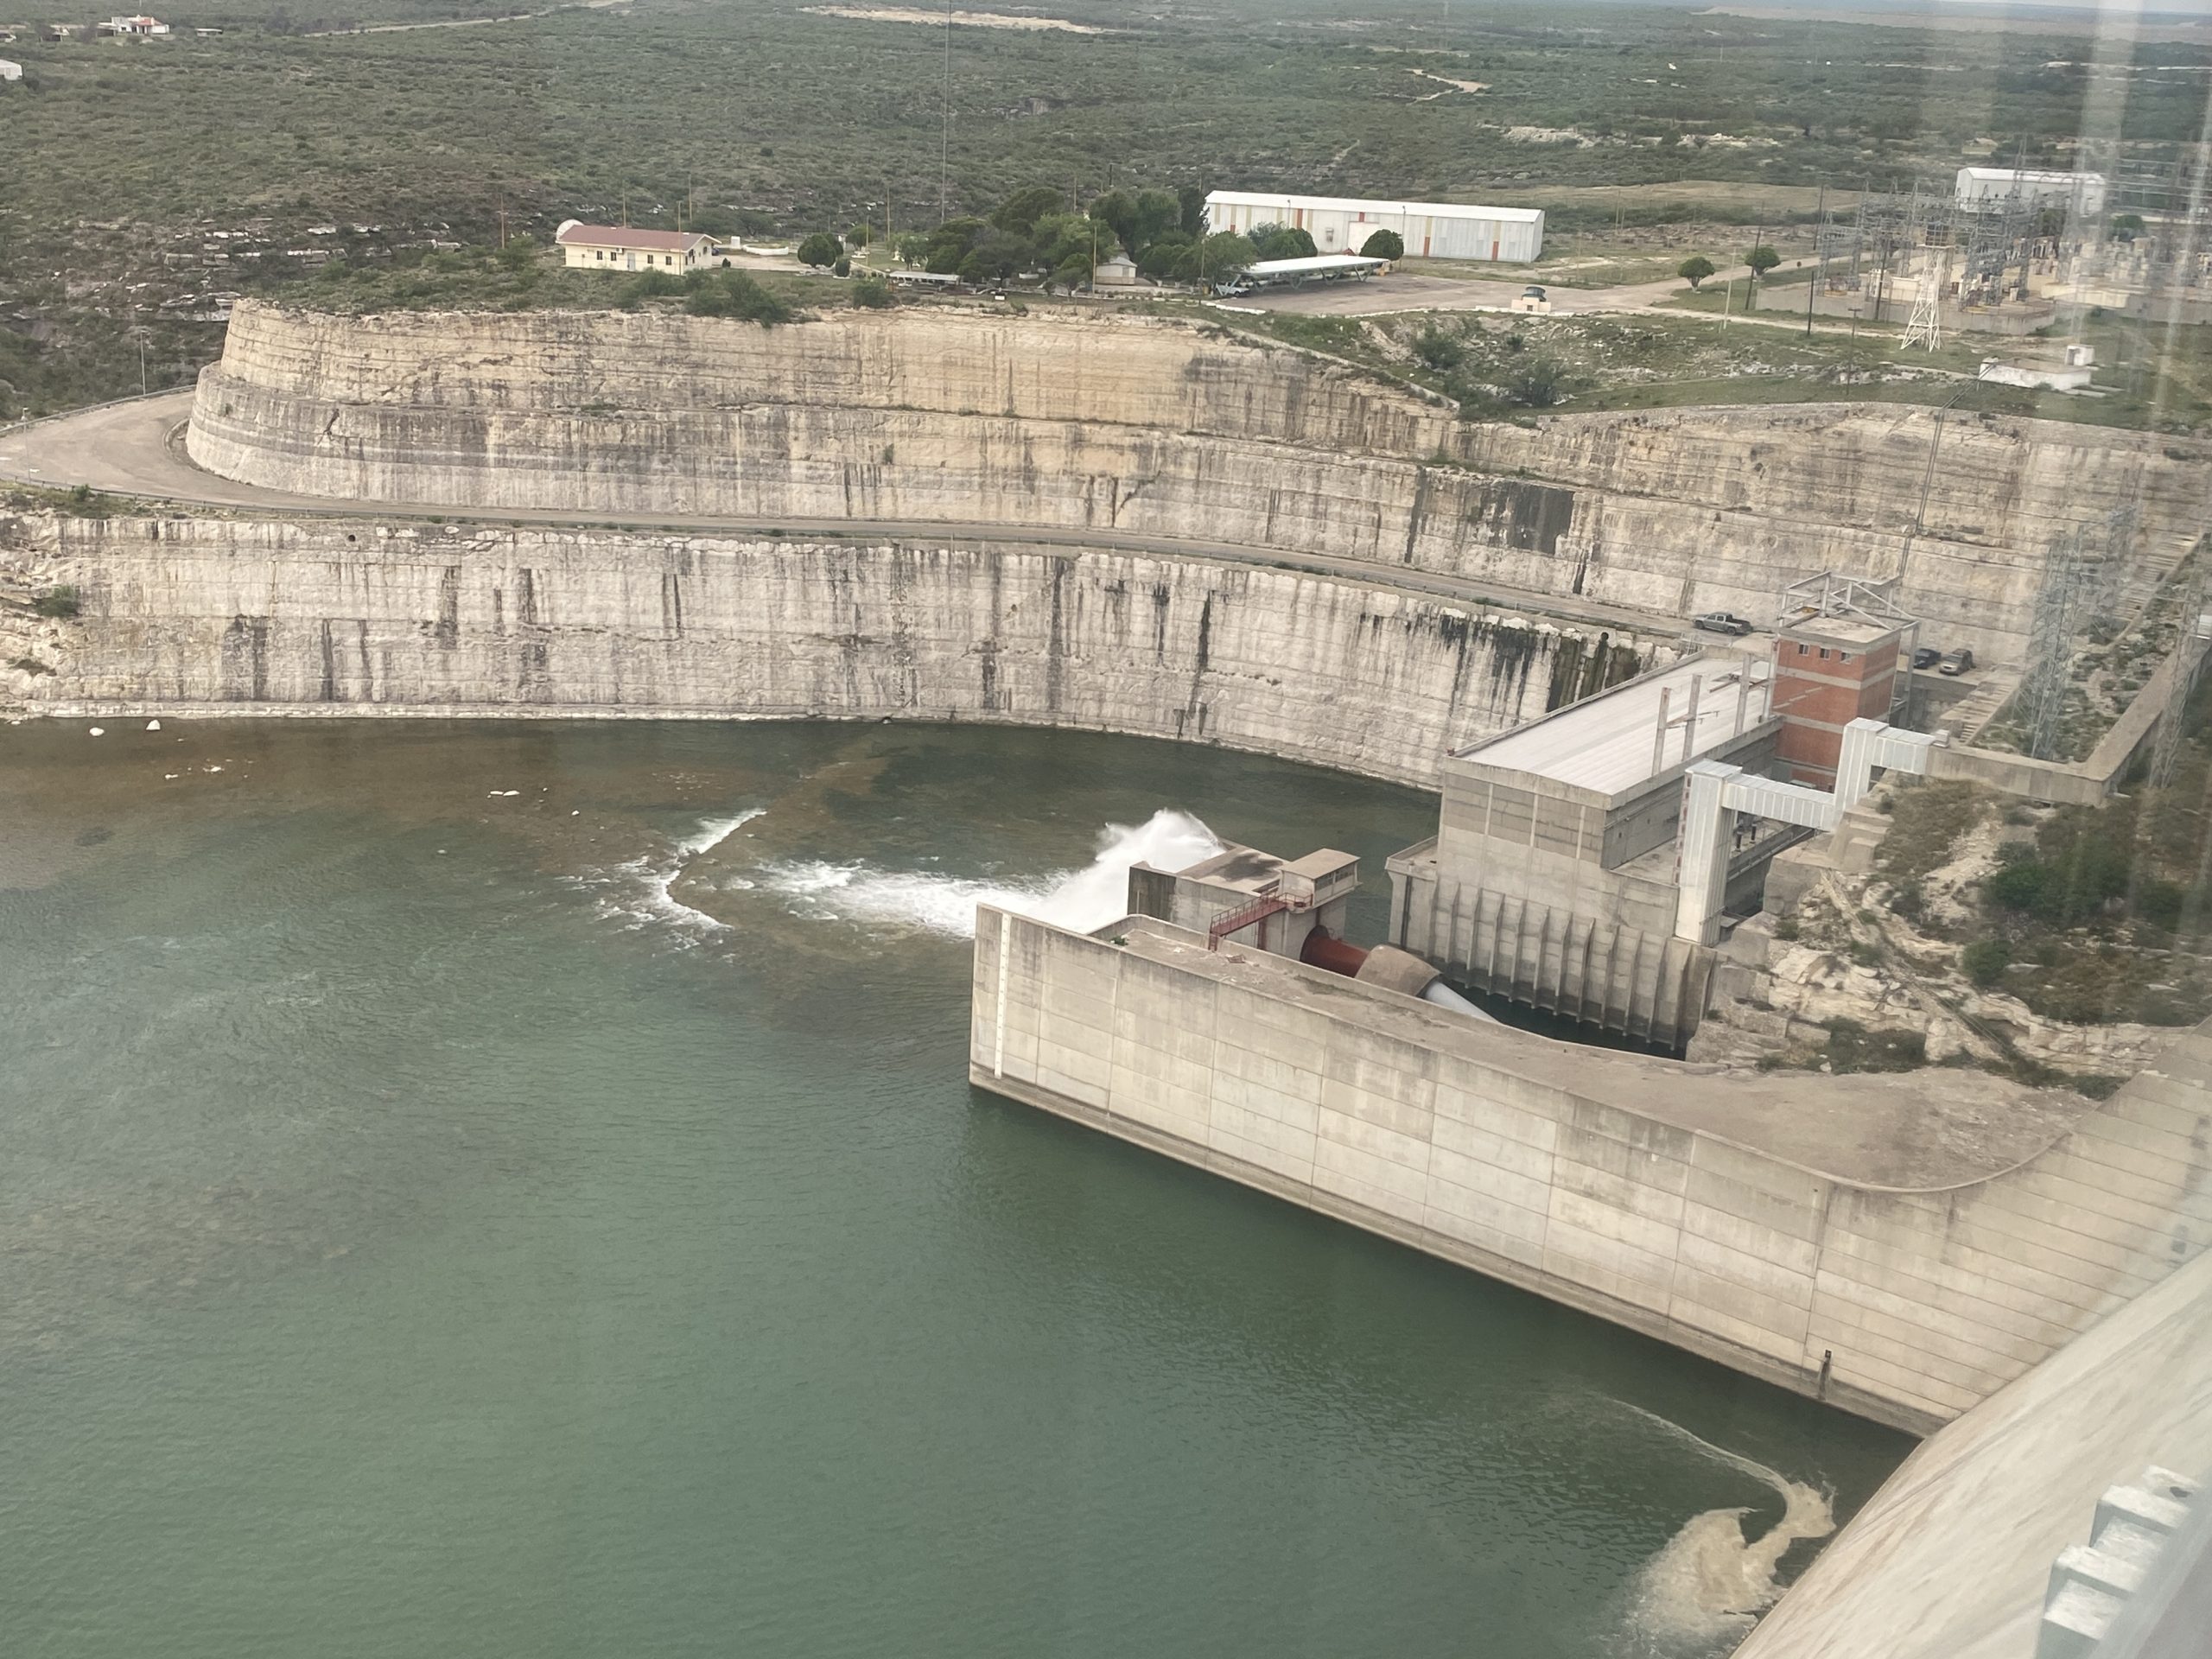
(1955, 662)
(1722, 622)
(1927, 656)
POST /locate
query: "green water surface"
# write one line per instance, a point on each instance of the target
(422, 1238)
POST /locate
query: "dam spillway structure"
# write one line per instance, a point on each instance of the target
(1158, 527)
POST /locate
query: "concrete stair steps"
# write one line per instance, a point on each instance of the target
(1966, 719)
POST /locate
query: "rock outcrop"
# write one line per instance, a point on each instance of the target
(1141, 426)
(353, 616)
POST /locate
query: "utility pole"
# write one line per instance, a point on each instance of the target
(944, 158)
(1820, 254)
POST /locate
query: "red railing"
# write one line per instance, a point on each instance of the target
(1237, 920)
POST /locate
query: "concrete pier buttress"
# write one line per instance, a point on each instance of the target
(1897, 1248)
(1164, 427)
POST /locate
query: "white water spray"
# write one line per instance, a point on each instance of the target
(1707, 1586)
(649, 876)
(1091, 898)
(1082, 900)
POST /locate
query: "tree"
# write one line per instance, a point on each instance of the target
(873, 292)
(995, 255)
(912, 248)
(820, 249)
(1164, 256)
(843, 268)
(1384, 244)
(2125, 227)
(860, 236)
(1762, 259)
(948, 244)
(1117, 209)
(1283, 242)
(1191, 200)
(1067, 245)
(1158, 214)
(1221, 257)
(1694, 269)
(1020, 212)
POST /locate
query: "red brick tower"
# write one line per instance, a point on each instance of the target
(1829, 670)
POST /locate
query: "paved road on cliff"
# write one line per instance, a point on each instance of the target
(129, 449)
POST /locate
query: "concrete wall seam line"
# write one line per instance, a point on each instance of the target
(998, 1051)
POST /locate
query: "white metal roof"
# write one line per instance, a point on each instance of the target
(1354, 205)
(1604, 743)
(1313, 263)
(2026, 175)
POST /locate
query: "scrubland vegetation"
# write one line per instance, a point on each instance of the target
(2088, 915)
(146, 177)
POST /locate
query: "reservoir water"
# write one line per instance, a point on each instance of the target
(426, 1230)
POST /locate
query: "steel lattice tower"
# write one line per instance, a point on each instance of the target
(2051, 642)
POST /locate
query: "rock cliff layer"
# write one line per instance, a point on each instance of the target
(353, 617)
(1161, 428)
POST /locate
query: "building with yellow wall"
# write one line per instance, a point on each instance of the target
(610, 247)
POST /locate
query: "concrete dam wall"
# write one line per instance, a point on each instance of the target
(352, 617)
(1163, 427)
(1898, 1249)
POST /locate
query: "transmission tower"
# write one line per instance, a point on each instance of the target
(2051, 641)
(2106, 592)
(2188, 651)
(1926, 327)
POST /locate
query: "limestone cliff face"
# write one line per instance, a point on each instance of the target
(354, 617)
(1168, 429)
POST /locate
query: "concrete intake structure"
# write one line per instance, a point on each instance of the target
(1163, 427)
(1896, 1248)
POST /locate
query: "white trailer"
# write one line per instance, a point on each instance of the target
(1430, 230)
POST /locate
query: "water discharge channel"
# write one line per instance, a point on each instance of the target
(513, 1188)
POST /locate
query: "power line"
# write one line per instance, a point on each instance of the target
(2043, 690)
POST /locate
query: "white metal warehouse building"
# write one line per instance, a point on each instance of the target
(1430, 230)
(1990, 189)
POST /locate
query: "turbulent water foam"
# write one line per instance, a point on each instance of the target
(1707, 1587)
(1083, 900)
(641, 886)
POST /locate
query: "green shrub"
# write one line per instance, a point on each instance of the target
(873, 292)
(1854, 1048)
(58, 602)
(734, 294)
(1439, 350)
(821, 249)
(1986, 960)
(1383, 244)
(1538, 383)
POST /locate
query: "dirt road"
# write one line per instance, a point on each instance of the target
(132, 448)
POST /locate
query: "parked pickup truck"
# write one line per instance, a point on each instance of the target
(1722, 622)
